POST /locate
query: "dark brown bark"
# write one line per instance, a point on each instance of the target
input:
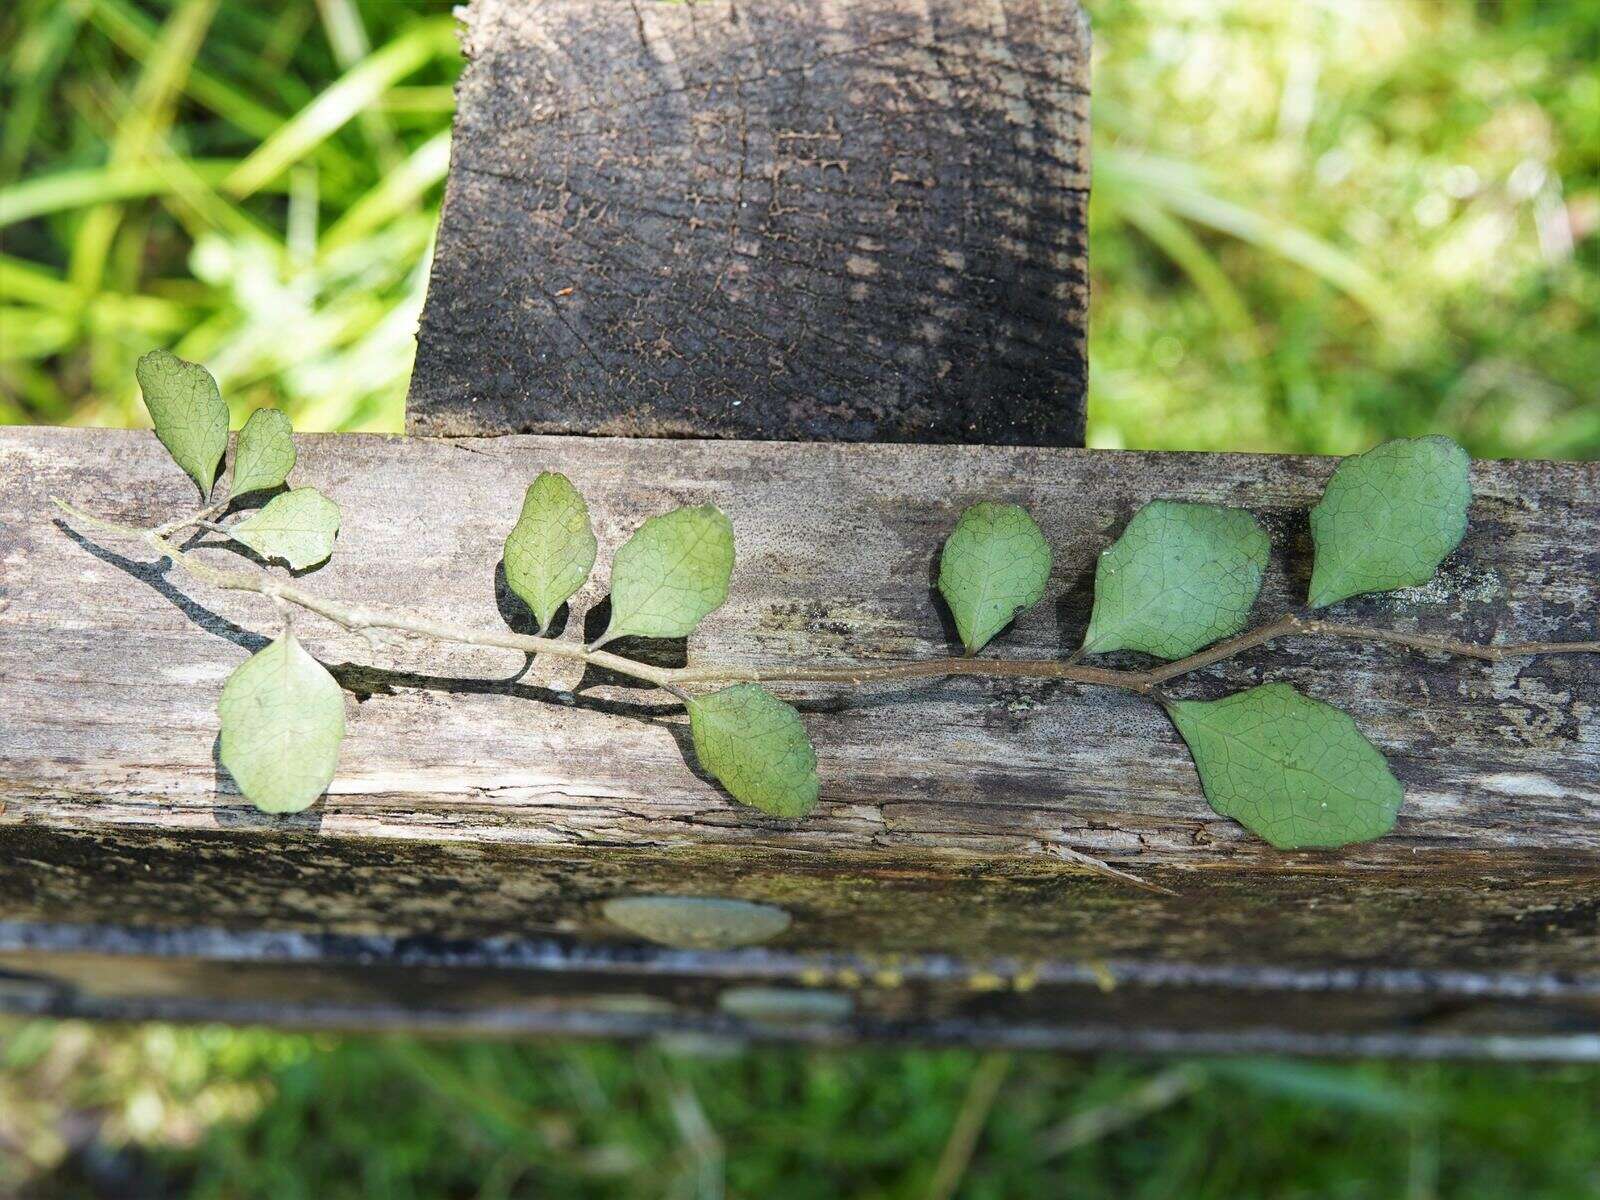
(851, 220)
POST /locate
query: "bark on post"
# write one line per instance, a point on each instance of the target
(846, 220)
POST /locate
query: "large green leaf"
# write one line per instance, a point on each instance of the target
(1292, 769)
(1389, 517)
(756, 747)
(265, 453)
(670, 573)
(994, 565)
(297, 527)
(550, 550)
(282, 722)
(190, 417)
(1180, 577)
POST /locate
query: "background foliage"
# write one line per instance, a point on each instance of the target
(1313, 226)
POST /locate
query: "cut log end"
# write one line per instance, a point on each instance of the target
(837, 222)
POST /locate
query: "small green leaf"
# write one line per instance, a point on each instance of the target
(297, 527)
(1388, 518)
(1292, 769)
(190, 418)
(670, 573)
(756, 747)
(265, 454)
(282, 722)
(994, 565)
(551, 549)
(697, 922)
(1180, 577)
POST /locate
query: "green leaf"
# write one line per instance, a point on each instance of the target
(190, 418)
(1292, 769)
(297, 527)
(551, 548)
(265, 454)
(756, 747)
(1180, 577)
(697, 922)
(1388, 518)
(994, 565)
(670, 573)
(282, 722)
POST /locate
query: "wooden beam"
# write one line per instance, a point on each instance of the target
(811, 219)
(476, 802)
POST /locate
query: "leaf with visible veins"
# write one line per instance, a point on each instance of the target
(297, 527)
(189, 415)
(551, 549)
(282, 721)
(1389, 517)
(265, 454)
(671, 573)
(1180, 577)
(756, 747)
(1292, 769)
(994, 565)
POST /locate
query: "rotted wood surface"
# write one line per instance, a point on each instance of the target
(857, 220)
(478, 804)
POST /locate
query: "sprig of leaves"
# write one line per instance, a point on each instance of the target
(1184, 576)
(1181, 577)
(281, 713)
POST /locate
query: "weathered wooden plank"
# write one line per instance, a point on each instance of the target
(472, 804)
(806, 219)
(509, 987)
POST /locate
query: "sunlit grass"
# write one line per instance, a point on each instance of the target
(251, 185)
(1318, 225)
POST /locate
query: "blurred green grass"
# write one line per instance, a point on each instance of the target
(1313, 226)
(233, 1114)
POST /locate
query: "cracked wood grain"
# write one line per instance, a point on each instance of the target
(823, 221)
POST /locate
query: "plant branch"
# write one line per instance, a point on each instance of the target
(199, 518)
(361, 617)
(365, 616)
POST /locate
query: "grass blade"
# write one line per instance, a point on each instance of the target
(1179, 188)
(395, 195)
(339, 103)
(92, 185)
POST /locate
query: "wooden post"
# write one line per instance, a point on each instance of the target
(844, 220)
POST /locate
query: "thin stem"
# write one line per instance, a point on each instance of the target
(1446, 645)
(361, 617)
(198, 518)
